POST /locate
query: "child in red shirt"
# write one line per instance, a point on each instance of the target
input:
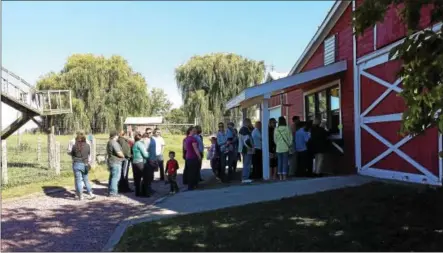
(171, 172)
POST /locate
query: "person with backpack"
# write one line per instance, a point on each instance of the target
(80, 153)
(283, 142)
(246, 148)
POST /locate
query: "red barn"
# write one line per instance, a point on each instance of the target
(351, 83)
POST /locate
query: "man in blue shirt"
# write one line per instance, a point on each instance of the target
(301, 139)
(257, 163)
(224, 141)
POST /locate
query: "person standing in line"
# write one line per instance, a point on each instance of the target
(139, 157)
(151, 164)
(257, 162)
(159, 149)
(115, 158)
(234, 154)
(123, 184)
(246, 147)
(214, 157)
(293, 156)
(185, 171)
(283, 141)
(171, 171)
(272, 149)
(222, 142)
(301, 140)
(320, 144)
(201, 147)
(192, 159)
(80, 165)
(310, 161)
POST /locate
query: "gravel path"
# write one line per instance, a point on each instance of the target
(58, 222)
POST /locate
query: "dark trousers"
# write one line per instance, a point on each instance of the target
(192, 173)
(162, 169)
(226, 160)
(172, 179)
(148, 177)
(138, 170)
(123, 183)
(303, 164)
(257, 164)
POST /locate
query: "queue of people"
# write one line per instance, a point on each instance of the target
(142, 151)
(292, 150)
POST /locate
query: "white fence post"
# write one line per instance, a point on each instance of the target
(51, 149)
(57, 158)
(93, 151)
(4, 163)
(39, 149)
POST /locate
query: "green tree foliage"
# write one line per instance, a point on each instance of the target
(177, 116)
(159, 103)
(104, 92)
(422, 58)
(207, 82)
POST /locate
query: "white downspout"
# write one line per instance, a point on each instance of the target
(357, 130)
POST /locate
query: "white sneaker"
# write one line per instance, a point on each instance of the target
(246, 181)
(91, 196)
(80, 197)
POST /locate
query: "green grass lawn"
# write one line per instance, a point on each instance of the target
(373, 217)
(27, 174)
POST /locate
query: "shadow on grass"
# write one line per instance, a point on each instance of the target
(373, 217)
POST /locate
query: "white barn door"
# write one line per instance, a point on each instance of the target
(380, 151)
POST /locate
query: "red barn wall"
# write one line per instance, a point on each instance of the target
(344, 33)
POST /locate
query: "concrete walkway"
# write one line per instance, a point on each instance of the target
(206, 200)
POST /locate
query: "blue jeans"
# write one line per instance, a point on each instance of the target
(247, 162)
(81, 177)
(114, 176)
(283, 163)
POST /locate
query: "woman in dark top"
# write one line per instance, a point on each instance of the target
(272, 149)
(80, 165)
(193, 159)
(185, 170)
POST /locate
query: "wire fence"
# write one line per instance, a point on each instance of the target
(26, 157)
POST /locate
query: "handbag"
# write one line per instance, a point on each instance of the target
(290, 149)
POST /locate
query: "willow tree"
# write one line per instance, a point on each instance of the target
(207, 82)
(104, 92)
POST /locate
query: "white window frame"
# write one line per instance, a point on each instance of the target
(323, 87)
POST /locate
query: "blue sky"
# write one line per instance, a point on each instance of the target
(155, 37)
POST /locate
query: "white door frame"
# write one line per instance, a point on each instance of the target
(364, 121)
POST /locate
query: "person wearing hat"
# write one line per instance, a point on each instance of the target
(115, 158)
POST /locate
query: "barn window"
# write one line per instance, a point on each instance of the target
(329, 53)
(324, 103)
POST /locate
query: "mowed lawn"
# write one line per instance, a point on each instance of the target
(373, 217)
(28, 175)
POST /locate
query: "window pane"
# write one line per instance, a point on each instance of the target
(322, 105)
(311, 107)
(335, 110)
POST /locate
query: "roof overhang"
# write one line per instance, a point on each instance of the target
(328, 23)
(254, 95)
